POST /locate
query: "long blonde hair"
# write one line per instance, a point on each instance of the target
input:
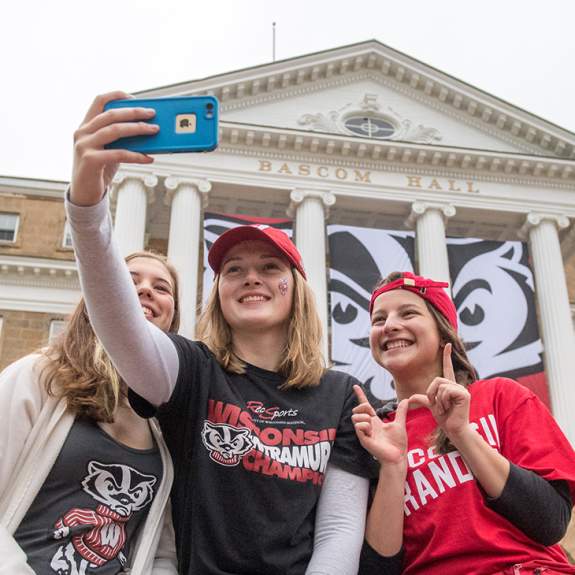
(78, 368)
(465, 373)
(303, 363)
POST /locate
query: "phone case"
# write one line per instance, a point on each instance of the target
(187, 124)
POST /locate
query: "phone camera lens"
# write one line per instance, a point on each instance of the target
(209, 106)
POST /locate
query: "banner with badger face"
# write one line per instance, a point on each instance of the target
(492, 289)
(217, 224)
(359, 258)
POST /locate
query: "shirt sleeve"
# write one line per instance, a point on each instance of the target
(546, 518)
(141, 352)
(22, 397)
(372, 563)
(190, 358)
(348, 454)
(339, 524)
(14, 561)
(530, 437)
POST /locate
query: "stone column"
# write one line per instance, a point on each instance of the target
(554, 314)
(134, 192)
(429, 222)
(187, 197)
(311, 210)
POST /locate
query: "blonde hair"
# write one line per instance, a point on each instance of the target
(78, 368)
(465, 373)
(303, 363)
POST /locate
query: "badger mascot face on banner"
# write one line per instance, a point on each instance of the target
(358, 258)
(492, 288)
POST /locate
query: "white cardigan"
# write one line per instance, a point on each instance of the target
(33, 428)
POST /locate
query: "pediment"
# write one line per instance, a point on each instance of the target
(372, 91)
(369, 109)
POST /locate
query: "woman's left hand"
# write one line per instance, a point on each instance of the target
(448, 400)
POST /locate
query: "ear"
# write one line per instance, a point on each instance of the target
(94, 466)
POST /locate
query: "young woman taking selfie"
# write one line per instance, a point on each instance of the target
(269, 475)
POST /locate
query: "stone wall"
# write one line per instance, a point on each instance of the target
(23, 332)
(40, 230)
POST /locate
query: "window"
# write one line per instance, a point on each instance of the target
(370, 126)
(8, 227)
(57, 326)
(67, 240)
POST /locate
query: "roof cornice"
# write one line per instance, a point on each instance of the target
(279, 79)
(32, 187)
(38, 272)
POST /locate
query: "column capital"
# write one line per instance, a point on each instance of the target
(174, 183)
(149, 181)
(298, 196)
(419, 208)
(534, 219)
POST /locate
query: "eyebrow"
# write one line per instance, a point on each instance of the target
(402, 307)
(408, 305)
(263, 256)
(155, 278)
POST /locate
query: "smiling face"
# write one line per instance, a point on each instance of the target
(256, 287)
(155, 290)
(404, 337)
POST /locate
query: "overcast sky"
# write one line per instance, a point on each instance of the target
(57, 55)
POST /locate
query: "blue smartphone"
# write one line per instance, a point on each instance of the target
(187, 124)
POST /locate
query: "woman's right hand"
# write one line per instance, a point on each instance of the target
(94, 167)
(387, 442)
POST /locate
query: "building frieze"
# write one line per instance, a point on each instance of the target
(313, 147)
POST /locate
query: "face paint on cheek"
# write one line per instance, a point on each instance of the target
(283, 286)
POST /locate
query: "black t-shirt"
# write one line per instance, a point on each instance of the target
(85, 517)
(249, 462)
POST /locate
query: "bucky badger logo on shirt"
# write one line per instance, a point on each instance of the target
(99, 535)
(226, 444)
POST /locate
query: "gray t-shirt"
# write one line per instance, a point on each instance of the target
(84, 519)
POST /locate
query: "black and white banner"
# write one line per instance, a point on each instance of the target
(493, 290)
(359, 258)
(492, 286)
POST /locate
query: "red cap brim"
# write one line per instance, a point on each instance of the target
(274, 236)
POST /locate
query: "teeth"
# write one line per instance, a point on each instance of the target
(251, 298)
(396, 344)
(147, 311)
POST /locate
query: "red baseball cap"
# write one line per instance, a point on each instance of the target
(429, 290)
(234, 236)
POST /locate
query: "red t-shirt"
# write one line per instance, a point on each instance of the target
(448, 527)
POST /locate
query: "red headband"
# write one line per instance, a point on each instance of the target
(427, 289)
